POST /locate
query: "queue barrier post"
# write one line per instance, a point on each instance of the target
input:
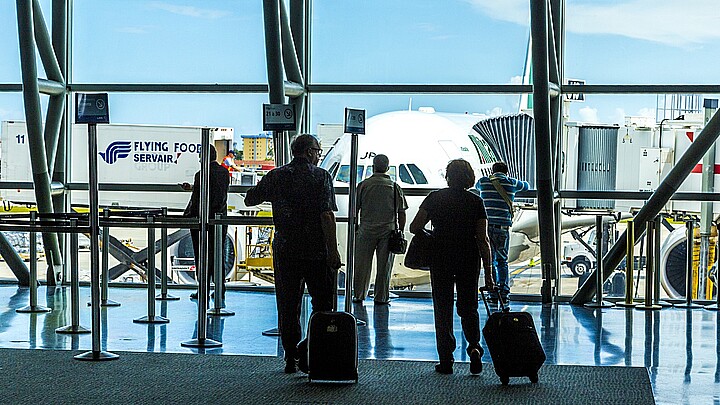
(650, 268)
(218, 308)
(105, 276)
(599, 303)
(629, 266)
(74, 327)
(33, 307)
(151, 278)
(690, 243)
(164, 295)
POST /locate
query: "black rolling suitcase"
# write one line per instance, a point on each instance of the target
(332, 348)
(513, 343)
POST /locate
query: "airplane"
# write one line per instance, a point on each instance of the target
(419, 144)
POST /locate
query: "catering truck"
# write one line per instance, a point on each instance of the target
(127, 154)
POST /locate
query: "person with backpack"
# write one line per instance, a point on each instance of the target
(498, 193)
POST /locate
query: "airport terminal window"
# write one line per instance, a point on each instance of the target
(636, 35)
(415, 36)
(417, 173)
(120, 41)
(10, 67)
(405, 175)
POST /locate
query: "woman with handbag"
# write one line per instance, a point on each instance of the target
(459, 243)
(381, 205)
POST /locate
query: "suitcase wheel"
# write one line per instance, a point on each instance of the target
(534, 378)
(505, 380)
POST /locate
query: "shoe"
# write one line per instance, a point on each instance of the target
(444, 368)
(290, 366)
(476, 360)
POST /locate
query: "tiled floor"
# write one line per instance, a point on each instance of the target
(680, 348)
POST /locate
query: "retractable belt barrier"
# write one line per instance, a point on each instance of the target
(74, 327)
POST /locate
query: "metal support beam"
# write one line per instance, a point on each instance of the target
(45, 48)
(657, 201)
(36, 142)
(292, 68)
(276, 83)
(300, 29)
(51, 87)
(543, 145)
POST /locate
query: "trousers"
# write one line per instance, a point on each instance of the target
(368, 243)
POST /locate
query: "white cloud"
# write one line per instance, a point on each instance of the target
(189, 11)
(670, 22)
(588, 114)
(516, 80)
(515, 11)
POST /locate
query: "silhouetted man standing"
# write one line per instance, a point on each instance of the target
(305, 244)
(219, 183)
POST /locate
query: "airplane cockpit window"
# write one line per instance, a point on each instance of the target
(405, 175)
(417, 173)
(368, 172)
(343, 175)
(392, 173)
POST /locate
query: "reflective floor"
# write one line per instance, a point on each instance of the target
(680, 348)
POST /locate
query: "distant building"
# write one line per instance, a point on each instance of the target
(257, 151)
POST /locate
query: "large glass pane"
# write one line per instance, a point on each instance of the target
(132, 41)
(9, 47)
(422, 41)
(636, 42)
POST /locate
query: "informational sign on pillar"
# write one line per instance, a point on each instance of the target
(91, 108)
(354, 121)
(354, 124)
(279, 117)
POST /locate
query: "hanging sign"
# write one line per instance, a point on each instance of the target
(279, 117)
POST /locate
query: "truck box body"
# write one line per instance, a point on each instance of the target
(128, 154)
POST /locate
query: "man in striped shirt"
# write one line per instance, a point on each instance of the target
(498, 193)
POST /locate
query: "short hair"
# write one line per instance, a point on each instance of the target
(231, 152)
(302, 143)
(381, 163)
(459, 174)
(500, 167)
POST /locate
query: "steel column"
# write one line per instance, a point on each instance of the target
(36, 143)
(543, 145)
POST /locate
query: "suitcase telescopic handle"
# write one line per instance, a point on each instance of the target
(496, 289)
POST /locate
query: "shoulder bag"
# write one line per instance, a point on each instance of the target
(397, 243)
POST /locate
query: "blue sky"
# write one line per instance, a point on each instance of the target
(372, 41)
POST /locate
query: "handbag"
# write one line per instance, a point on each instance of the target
(419, 254)
(397, 243)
